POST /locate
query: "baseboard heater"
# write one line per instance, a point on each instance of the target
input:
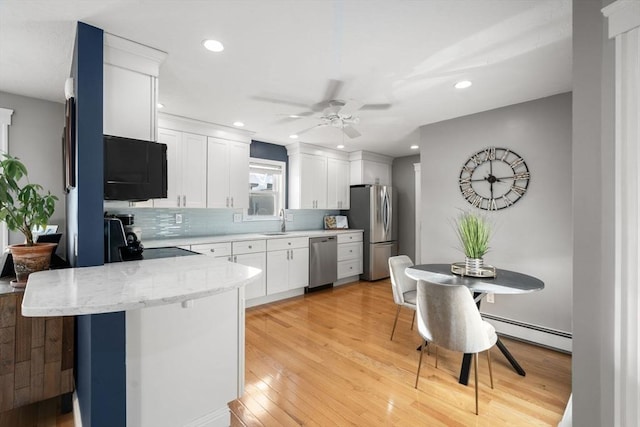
(535, 334)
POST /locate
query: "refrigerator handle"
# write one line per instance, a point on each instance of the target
(386, 214)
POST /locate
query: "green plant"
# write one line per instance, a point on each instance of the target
(473, 232)
(22, 206)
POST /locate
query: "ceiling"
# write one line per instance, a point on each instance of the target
(281, 55)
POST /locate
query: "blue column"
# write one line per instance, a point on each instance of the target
(100, 339)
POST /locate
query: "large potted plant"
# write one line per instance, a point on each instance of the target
(23, 206)
(474, 233)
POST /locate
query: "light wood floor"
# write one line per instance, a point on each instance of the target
(325, 359)
(41, 414)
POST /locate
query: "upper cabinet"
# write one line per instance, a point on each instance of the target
(318, 178)
(208, 164)
(130, 88)
(186, 170)
(227, 174)
(370, 168)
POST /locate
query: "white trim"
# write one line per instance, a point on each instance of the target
(304, 148)
(367, 155)
(132, 56)
(77, 416)
(418, 201)
(184, 124)
(218, 418)
(5, 122)
(532, 333)
(623, 16)
(624, 20)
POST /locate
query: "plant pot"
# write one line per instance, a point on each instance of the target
(29, 259)
(474, 266)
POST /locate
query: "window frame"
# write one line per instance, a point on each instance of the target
(283, 168)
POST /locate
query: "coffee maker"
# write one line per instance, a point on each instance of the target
(121, 238)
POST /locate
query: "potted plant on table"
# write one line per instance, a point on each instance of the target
(474, 233)
(23, 206)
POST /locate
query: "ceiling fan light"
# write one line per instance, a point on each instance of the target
(238, 124)
(414, 147)
(213, 45)
(463, 84)
(293, 136)
(340, 146)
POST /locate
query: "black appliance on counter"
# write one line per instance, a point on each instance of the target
(118, 246)
(134, 169)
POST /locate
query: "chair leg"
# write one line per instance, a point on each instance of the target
(395, 322)
(413, 320)
(420, 364)
(475, 372)
(489, 361)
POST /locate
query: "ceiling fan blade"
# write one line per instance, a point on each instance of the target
(280, 101)
(310, 129)
(375, 107)
(331, 93)
(287, 118)
(350, 108)
(350, 131)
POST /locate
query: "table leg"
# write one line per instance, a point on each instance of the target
(510, 358)
(465, 369)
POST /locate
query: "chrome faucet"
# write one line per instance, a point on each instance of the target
(283, 227)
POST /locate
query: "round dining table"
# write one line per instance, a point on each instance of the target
(504, 282)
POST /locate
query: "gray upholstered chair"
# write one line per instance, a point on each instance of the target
(449, 318)
(404, 288)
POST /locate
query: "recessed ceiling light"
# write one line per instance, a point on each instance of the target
(159, 105)
(414, 147)
(340, 146)
(238, 124)
(294, 116)
(294, 136)
(213, 45)
(462, 84)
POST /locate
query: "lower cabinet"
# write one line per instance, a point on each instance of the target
(349, 254)
(287, 264)
(252, 254)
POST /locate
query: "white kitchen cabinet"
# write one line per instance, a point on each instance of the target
(227, 174)
(186, 170)
(337, 184)
(349, 254)
(318, 178)
(216, 250)
(370, 168)
(287, 264)
(252, 254)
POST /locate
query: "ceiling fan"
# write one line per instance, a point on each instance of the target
(340, 115)
(334, 111)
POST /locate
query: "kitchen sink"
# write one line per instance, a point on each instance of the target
(275, 233)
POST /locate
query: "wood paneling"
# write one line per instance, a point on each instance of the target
(325, 358)
(36, 355)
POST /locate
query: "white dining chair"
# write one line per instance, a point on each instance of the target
(404, 288)
(449, 318)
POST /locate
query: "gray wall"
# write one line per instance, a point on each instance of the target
(593, 201)
(404, 189)
(534, 235)
(35, 136)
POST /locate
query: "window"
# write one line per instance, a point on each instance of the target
(266, 188)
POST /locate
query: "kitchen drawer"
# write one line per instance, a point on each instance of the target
(213, 249)
(349, 251)
(349, 268)
(287, 243)
(350, 237)
(249, 247)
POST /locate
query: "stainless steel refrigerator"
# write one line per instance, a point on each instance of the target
(372, 211)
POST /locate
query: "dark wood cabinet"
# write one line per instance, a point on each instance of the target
(36, 355)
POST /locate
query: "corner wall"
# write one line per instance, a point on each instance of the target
(534, 236)
(404, 187)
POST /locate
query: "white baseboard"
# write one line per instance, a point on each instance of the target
(275, 297)
(346, 280)
(567, 418)
(540, 335)
(218, 418)
(77, 418)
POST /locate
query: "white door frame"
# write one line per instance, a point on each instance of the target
(5, 121)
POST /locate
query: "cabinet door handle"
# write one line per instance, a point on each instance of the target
(227, 202)
(292, 254)
(184, 201)
(232, 202)
(287, 255)
(212, 250)
(235, 258)
(250, 247)
(178, 201)
(230, 259)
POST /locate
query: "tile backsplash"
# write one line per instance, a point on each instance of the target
(161, 223)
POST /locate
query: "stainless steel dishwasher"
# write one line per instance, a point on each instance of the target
(323, 262)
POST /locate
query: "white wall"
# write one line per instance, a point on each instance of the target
(534, 236)
(404, 192)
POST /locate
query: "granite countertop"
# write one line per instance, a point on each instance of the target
(184, 241)
(130, 285)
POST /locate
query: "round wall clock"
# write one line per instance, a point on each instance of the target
(494, 178)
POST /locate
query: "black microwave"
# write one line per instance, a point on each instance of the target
(134, 169)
